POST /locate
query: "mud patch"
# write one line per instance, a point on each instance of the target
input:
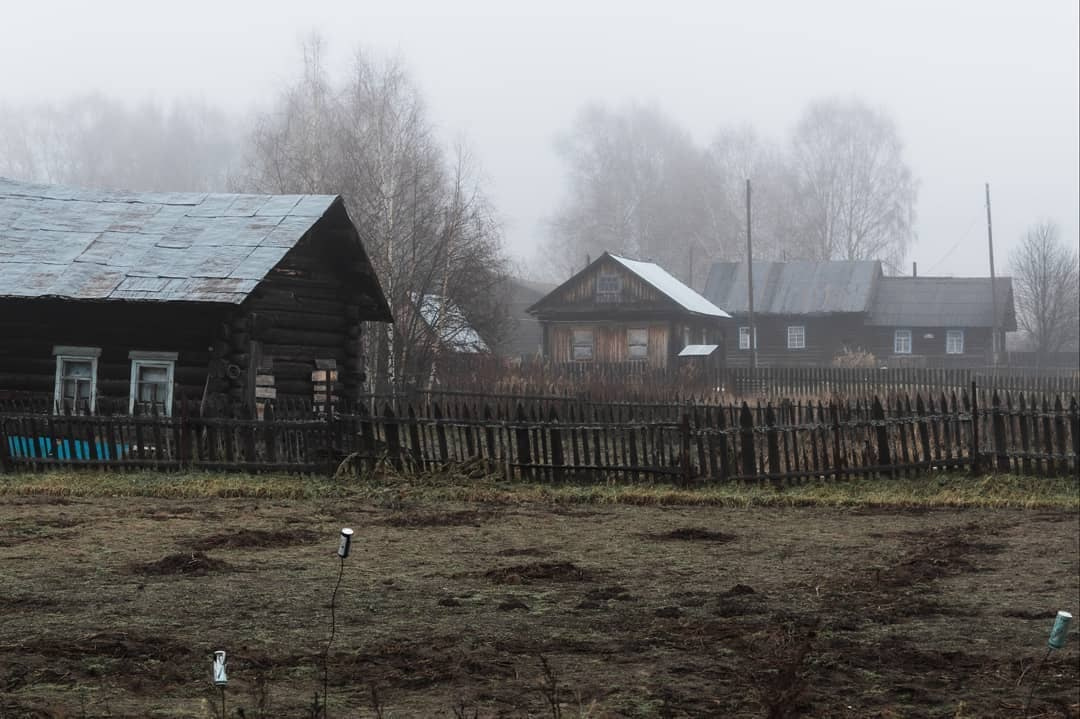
(540, 571)
(693, 534)
(191, 564)
(255, 539)
(26, 601)
(1028, 613)
(525, 552)
(417, 520)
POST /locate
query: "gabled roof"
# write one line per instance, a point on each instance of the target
(656, 277)
(943, 302)
(67, 242)
(795, 288)
(662, 280)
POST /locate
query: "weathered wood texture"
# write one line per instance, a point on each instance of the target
(546, 439)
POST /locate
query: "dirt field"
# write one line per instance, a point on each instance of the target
(112, 607)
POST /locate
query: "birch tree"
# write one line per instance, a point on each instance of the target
(855, 193)
(1046, 280)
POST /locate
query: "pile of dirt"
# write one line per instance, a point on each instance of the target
(254, 539)
(694, 534)
(539, 571)
(192, 564)
(416, 520)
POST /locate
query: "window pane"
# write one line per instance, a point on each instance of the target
(150, 373)
(77, 368)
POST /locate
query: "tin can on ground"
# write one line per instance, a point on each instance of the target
(1060, 631)
(345, 543)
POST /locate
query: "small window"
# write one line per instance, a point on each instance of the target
(744, 338)
(796, 337)
(583, 345)
(608, 287)
(954, 342)
(902, 342)
(151, 382)
(638, 344)
(75, 389)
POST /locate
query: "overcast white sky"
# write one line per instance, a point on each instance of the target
(982, 91)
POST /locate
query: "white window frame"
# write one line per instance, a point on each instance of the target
(574, 344)
(630, 344)
(67, 353)
(164, 360)
(796, 337)
(898, 347)
(744, 338)
(954, 342)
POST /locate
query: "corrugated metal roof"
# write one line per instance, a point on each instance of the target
(943, 302)
(659, 278)
(795, 288)
(109, 245)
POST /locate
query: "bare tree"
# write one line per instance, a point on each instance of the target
(425, 220)
(637, 186)
(855, 193)
(1046, 280)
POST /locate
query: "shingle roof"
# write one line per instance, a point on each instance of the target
(795, 288)
(943, 302)
(659, 278)
(68, 242)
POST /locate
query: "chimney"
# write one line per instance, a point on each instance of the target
(914, 269)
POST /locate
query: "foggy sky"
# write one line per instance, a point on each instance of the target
(980, 91)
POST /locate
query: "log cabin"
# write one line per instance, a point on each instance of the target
(805, 312)
(809, 313)
(940, 321)
(120, 302)
(619, 310)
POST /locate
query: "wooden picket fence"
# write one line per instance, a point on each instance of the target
(558, 438)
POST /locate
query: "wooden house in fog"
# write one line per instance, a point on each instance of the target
(805, 312)
(618, 310)
(118, 301)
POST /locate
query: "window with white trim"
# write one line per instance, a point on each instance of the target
(582, 349)
(954, 342)
(637, 341)
(902, 342)
(151, 382)
(744, 338)
(75, 389)
(796, 337)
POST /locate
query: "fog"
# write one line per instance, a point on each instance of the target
(978, 91)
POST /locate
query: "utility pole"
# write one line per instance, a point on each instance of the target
(993, 292)
(690, 268)
(750, 283)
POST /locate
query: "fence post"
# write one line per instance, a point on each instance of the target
(556, 446)
(521, 439)
(975, 466)
(393, 439)
(998, 422)
(1074, 420)
(877, 415)
(4, 456)
(772, 441)
(684, 436)
(746, 440)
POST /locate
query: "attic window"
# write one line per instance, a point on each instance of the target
(608, 287)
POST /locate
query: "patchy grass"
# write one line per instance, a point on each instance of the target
(403, 492)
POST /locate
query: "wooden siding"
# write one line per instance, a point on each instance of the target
(610, 341)
(31, 328)
(581, 293)
(930, 351)
(825, 336)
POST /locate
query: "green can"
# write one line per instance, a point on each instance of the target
(1060, 631)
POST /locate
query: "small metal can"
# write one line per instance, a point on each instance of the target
(219, 669)
(346, 541)
(1060, 631)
